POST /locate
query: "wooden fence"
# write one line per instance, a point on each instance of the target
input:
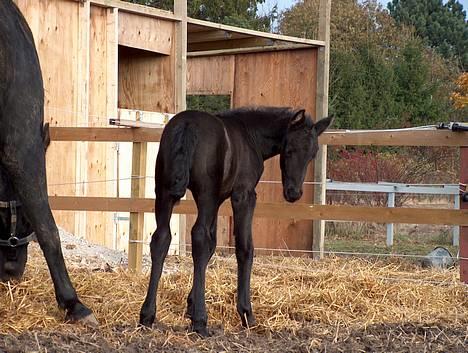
(296, 211)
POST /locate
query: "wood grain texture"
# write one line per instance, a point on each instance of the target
(283, 78)
(146, 33)
(210, 75)
(293, 212)
(146, 81)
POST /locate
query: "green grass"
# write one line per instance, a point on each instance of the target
(403, 244)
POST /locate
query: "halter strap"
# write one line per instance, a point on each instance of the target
(13, 241)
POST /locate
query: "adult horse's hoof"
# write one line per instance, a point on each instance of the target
(89, 320)
(82, 314)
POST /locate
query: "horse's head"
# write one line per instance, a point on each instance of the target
(15, 230)
(300, 147)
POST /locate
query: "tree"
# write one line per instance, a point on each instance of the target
(381, 76)
(241, 13)
(443, 27)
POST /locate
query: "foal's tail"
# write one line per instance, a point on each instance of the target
(182, 148)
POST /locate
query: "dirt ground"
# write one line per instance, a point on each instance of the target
(376, 338)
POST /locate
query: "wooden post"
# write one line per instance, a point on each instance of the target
(456, 229)
(464, 206)
(180, 10)
(137, 220)
(321, 111)
(390, 203)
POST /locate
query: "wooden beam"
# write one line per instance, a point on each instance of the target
(231, 44)
(211, 36)
(136, 9)
(321, 111)
(180, 9)
(297, 211)
(259, 49)
(105, 134)
(373, 138)
(137, 219)
(258, 34)
(396, 138)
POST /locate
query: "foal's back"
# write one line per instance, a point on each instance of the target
(194, 153)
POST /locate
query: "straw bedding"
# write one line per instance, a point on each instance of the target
(300, 306)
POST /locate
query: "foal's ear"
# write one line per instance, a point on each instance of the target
(322, 125)
(298, 118)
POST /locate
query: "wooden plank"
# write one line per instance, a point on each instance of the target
(271, 78)
(146, 81)
(136, 9)
(213, 36)
(321, 111)
(102, 103)
(137, 220)
(83, 103)
(105, 134)
(377, 138)
(211, 75)
(297, 211)
(464, 207)
(396, 138)
(55, 25)
(253, 33)
(232, 44)
(146, 33)
(180, 77)
(248, 50)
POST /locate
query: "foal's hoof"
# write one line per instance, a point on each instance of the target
(147, 320)
(248, 321)
(201, 330)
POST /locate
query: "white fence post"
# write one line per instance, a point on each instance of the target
(456, 229)
(390, 203)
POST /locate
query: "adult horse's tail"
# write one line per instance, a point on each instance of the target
(182, 143)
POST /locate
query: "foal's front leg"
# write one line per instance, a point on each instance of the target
(243, 205)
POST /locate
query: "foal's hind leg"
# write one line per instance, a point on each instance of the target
(243, 205)
(213, 233)
(202, 249)
(160, 242)
(24, 160)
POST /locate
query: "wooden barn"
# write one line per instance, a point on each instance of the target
(104, 59)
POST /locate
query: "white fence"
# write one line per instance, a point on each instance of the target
(391, 189)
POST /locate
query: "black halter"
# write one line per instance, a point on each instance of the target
(13, 241)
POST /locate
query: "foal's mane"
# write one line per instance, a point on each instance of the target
(254, 115)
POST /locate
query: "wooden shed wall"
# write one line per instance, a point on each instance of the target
(86, 79)
(282, 78)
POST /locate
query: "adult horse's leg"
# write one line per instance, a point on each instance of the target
(160, 242)
(213, 233)
(243, 205)
(24, 160)
(202, 249)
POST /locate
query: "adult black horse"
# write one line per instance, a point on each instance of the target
(217, 157)
(23, 188)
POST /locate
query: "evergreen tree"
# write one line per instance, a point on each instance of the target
(443, 26)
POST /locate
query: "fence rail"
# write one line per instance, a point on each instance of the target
(339, 137)
(405, 137)
(391, 189)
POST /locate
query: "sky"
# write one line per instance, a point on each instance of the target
(284, 4)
